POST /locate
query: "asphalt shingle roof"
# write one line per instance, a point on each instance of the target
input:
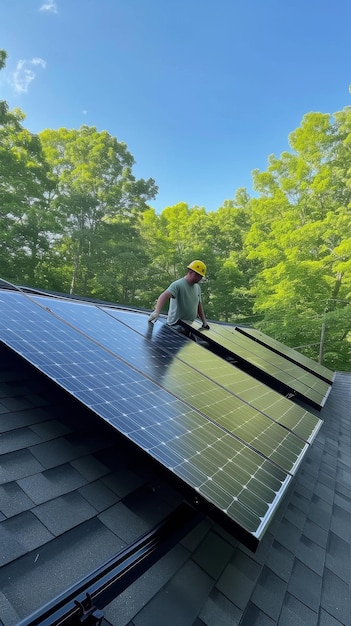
(73, 493)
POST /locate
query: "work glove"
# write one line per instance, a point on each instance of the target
(153, 317)
(205, 327)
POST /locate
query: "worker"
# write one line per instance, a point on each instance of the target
(184, 297)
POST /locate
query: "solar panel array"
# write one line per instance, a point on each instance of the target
(237, 458)
(289, 353)
(245, 387)
(203, 394)
(269, 366)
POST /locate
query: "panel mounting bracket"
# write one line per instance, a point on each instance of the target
(90, 615)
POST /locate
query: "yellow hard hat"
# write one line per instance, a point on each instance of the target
(198, 266)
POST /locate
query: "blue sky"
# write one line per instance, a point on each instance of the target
(201, 91)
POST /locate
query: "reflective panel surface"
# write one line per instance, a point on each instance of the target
(231, 453)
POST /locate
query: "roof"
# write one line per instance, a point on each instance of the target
(73, 492)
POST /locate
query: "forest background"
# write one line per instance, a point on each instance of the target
(74, 219)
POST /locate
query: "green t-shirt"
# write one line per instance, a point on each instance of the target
(184, 302)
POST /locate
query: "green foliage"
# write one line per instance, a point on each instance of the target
(26, 223)
(300, 236)
(96, 189)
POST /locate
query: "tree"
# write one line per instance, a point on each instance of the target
(96, 189)
(26, 223)
(299, 225)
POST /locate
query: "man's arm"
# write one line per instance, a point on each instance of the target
(161, 301)
(202, 316)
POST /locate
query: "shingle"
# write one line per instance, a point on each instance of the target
(174, 605)
(344, 502)
(18, 419)
(303, 489)
(123, 522)
(311, 554)
(219, 611)
(13, 500)
(147, 504)
(324, 492)
(343, 476)
(17, 465)
(296, 613)
(288, 535)
(295, 515)
(336, 597)
(320, 512)
(280, 560)
(11, 548)
(253, 616)
(17, 440)
(64, 513)
(213, 554)
(300, 501)
(123, 482)
(52, 453)
(327, 477)
(305, 585)
(16, 404)
(26, 530)
(38, 400)
(312, 461)
(269, 593)
(325, 619)
(239, 578)
(90, 467)
(7, 612)
(315, 533)
(341, 523)
(263, 548)
(344, 489)
(193, 539)
(338, 557)
(50, 430)
(3, 409)
(52, 483)
(99, 496)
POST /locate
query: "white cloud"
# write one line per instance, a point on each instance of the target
(50, 5)
(24, 73)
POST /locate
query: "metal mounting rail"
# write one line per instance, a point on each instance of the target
(83, 602)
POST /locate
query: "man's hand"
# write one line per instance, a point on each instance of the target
(153, 317)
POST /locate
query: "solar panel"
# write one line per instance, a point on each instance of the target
(234, 380)
(240, 486)
(273, 368)
(292, 355)
(241, 420)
